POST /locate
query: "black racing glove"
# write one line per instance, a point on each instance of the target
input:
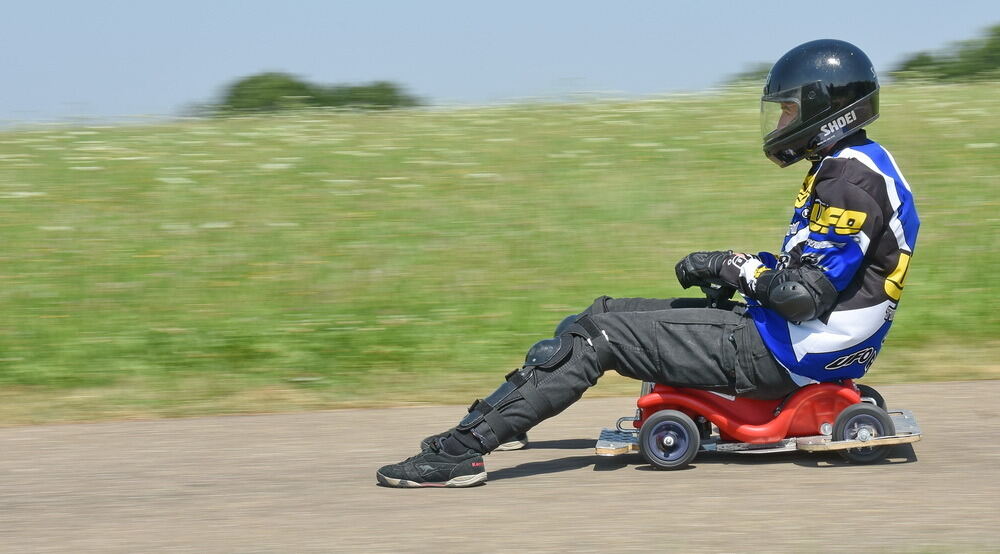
(700, 268)
(707, 268)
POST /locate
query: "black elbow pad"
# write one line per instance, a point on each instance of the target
(800, 294)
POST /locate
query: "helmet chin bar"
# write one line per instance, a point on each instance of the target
(815, 138)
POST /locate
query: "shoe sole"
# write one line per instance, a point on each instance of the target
(457, 482)
(512, 445)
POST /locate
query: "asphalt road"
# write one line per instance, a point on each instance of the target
(306, 483)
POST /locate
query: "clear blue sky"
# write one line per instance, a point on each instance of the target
(116, 58)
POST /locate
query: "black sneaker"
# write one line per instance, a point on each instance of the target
(434, 468)
(515, 443)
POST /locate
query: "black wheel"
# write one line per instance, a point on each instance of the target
(861, 422)
(868, 392)
(669, 440)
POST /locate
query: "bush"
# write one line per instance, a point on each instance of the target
(268, 92)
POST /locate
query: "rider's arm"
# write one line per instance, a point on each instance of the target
(797, 294)
(842, 220)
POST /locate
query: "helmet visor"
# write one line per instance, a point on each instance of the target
(778, 112)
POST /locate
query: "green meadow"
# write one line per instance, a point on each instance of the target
(323, 259)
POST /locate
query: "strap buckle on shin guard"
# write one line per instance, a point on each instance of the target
(496, 426)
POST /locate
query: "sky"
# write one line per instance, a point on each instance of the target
(111, 59)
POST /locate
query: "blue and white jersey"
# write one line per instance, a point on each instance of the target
(855, 220)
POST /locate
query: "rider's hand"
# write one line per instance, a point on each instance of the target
(701, 268)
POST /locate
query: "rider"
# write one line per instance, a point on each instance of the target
(818, 311)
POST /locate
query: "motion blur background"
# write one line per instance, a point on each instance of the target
(242, 206)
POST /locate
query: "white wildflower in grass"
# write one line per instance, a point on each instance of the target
(357, 153)
(943, 120)
(426, 162)
(22, 194)
(273, 166)
(216, 225)
(175, 180)
(981, 145)
(645, 144)
(86, 168)
(56, 228)
(176, 227)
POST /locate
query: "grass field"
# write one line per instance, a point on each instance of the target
(325, 259)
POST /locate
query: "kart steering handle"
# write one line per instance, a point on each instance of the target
(717, 293)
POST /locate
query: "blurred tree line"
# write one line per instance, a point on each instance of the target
(267, 92)
(976, 59)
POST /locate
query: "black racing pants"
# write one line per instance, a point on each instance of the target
(679, 342)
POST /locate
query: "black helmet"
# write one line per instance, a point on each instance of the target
(816, 94)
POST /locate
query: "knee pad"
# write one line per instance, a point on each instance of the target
(548, 353)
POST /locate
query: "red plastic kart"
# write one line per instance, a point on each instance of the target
(672, 425)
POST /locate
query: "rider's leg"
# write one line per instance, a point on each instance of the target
(668, 342)
(624, 334)
(683, 342)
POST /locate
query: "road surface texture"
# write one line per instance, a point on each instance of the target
(306, 483)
